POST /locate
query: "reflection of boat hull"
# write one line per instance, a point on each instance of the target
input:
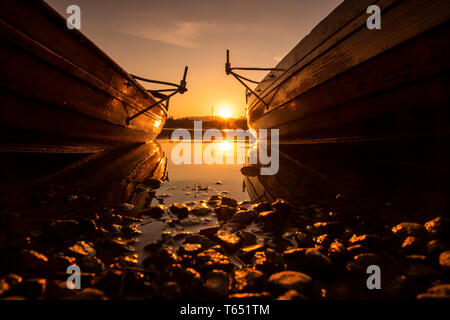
(344, 80)
(58, 89)
(110, 177)
(411, 175)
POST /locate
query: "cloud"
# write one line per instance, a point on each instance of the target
(182, 34)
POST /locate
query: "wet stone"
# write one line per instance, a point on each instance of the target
(180, 210)
(227, 201)
(268, 218)
(228, 240)
(65, 228)
(91, 264)
(202, 240)
(111, 219)
(294, 258)
(60, 262)
(130, 230)
(414, 245)
(217, 284)
(423, 272)
(243, 217)
(318, 262)
(211, 259)
(319, 228)
(89, 294)
(407, 229)
(250, 296)
(303, 239)
(82, 248)
(267, 261)
(31, 260)
(189, 249)
(224, 212)
(290, 280)
(191, 277)
(246, 254)
(200, 209)
(367, 240)
(170, 291)
(247, 238)
(127, 260)
(337, 251)
(9, 281)
(109, 282)
(281, 206)
(161, 257)
(357, 250)
(444, 260)
(439, 228)
(87, 225)
(262, 206)
(292, 295)
(248, 279)
(360, 263)
(57, 289)
(439, 292)
(435, 248)
(323, 240)
(32, 289)
(209, 232)
(156, 212)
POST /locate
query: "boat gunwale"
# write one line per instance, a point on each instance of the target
(86, 42)
(294, 67)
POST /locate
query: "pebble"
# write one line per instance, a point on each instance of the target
(439, 228)
(246, 254)
(82, 248)
(250, 296)
(414, 245)
(228, 240)
(211, 259)
(292, 295)
(248, 280)
(267, 261)
(360, 263)
(290, 280)
(217, 284)
(89, 294)
(224, 212)
(439, 292)
(180, 210)
(318, 263)
(156, 212)
(227, 201)
(444, 260)
(407, 229)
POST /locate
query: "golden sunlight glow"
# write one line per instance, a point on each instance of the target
(225, 146)
(225, 112)
(157, 123)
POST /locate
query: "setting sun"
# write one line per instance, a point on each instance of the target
(225, 112)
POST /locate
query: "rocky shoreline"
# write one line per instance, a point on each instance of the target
(254, 251)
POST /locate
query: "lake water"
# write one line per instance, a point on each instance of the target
(189, 183)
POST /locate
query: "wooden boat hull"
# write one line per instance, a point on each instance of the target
(59, 90)
(344, 80)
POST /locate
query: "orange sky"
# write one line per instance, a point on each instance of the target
(156, 39)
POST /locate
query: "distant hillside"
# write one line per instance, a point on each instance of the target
(219, 123)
